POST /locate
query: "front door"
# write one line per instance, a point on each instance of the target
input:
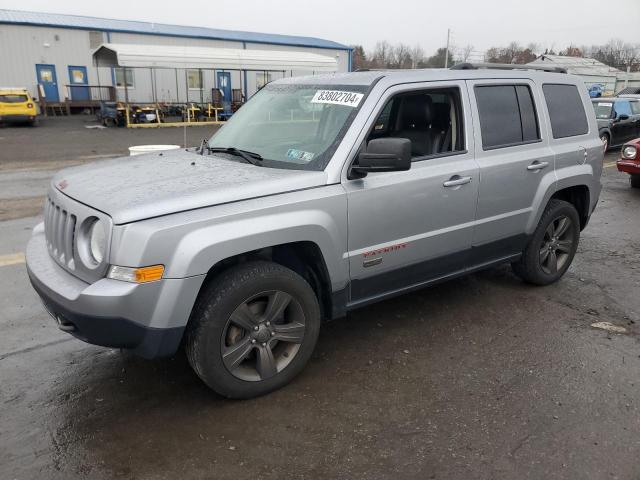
(513, 152)
(623, 130)
(224, 85)
(47, 79)
(78, 81)
(409, 228)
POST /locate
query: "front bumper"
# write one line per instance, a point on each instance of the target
(148, 318)
(629, 166)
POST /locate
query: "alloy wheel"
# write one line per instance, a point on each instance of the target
(263, 335)
(557, 245)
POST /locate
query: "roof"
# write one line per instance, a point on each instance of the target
(18, 17)
(392, 77)
(610, 99)
(629, 91)
(175, 56)
(577, 65)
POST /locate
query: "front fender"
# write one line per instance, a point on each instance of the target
(245, 235)
(191, 243)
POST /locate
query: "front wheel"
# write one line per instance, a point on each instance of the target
(253, 329)
(635, 181)
(552, 247)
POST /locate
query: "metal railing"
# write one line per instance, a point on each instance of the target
(90, 93)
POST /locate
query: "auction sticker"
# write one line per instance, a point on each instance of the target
(337, 97)
(294, 154)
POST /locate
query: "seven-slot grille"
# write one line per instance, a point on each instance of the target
(59, 228)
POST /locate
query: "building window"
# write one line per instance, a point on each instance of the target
(119, 75)
(194, 79)
(262, 78)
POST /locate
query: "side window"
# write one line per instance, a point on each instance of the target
(635, 108)
(623, 108)
(566, 111)
(507, 115)
(431, 119)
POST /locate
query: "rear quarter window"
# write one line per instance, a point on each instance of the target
(566, 110)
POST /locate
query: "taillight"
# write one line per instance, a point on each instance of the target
(29, 105)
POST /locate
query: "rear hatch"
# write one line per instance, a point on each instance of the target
(15, 103)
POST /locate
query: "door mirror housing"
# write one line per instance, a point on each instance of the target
(622, 116)
(383, 155)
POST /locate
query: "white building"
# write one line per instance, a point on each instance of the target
(55, 52)
(592, 72)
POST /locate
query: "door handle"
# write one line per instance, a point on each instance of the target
(456, 181)
(537, 166)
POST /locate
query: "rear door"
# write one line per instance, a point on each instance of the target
(515, 162)
(47, 79)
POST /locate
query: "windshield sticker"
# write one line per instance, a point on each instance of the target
(336, 97)
(603, 104)
(294, 154)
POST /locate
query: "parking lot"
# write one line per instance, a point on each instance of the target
(481, 377)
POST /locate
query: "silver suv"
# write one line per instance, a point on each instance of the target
(321, 195)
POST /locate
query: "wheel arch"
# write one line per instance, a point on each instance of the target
(580, 197)
(303, 257)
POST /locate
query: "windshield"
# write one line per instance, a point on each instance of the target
(292, 126)
(603, 109)
(11, 98)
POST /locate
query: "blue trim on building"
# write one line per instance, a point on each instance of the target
(16, 17)
(351, 60)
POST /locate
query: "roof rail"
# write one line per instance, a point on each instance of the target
(507, 66)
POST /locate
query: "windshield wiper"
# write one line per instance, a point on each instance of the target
(249, 157)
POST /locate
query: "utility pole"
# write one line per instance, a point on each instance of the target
(446, 53)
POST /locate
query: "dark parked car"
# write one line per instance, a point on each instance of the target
(618, 120)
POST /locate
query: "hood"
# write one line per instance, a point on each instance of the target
(604, 122)
(134, 188)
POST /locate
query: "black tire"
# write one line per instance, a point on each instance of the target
(536, 265)
(604, 138)
(634, 180)
(252, 286)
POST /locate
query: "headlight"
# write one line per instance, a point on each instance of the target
(97, 241)
(629, 152)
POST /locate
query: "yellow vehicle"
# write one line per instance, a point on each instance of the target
(16, 105)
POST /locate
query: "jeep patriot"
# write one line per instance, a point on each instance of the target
(320, 195)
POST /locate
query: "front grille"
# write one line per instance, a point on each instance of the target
(60, 229)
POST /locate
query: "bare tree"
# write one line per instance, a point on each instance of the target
(417, 56)
(465, 52)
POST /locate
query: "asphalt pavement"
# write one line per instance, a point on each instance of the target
(482, 377)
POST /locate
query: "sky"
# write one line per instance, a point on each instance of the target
(482, 23)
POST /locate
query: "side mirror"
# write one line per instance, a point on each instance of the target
(383, 155)
(622, 116)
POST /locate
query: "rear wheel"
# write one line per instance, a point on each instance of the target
(552, 247)
(253, 329)
(635, 181)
